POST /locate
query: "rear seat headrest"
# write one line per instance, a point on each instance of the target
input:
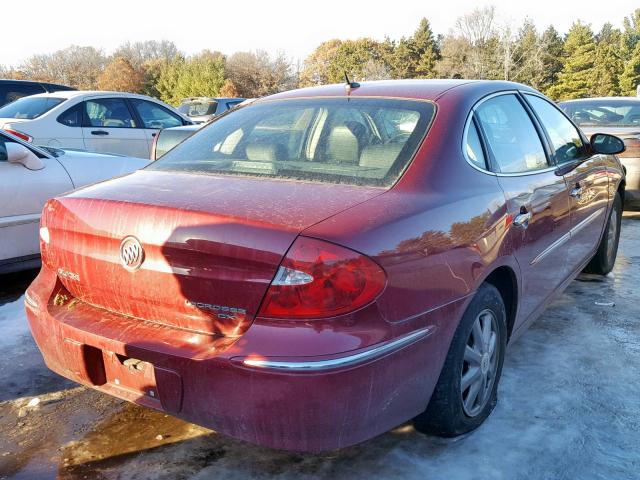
(380, 156)
(265, 152)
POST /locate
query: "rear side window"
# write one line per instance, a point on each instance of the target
(109, 113)
(473, 147)
(29, 108)
(155, 116)
(72, 117)
(564, 136)
(362, 141)
(510, 135)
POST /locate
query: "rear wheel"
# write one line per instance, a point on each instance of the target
(605, 257)
(466, 391)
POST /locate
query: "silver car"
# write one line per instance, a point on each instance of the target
(619, 116)
(203, 109)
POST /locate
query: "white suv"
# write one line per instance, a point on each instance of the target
(107, 122)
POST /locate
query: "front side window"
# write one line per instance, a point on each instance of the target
(109, 113)
(510, 135)
(29, 108)
(154, 116)
(564, 136)
(362, 141)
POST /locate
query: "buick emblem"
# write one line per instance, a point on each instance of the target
(131, 253)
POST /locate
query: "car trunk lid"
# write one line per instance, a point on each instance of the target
(211, 244)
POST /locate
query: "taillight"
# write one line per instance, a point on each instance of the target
(23, 136)
(632, 148)
(319, 279)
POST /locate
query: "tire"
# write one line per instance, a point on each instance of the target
(451, 411)
(605, 258)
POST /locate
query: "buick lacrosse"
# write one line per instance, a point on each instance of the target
(325, 264)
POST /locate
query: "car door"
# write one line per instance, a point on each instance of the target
(537, 198)
(585, 176)
(109, 126)
(154, 117)
(22, 196)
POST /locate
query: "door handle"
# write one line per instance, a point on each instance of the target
(577, 191)
(99, 132)
(522, 219)
(154, 134)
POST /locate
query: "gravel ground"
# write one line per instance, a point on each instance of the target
(569, 408)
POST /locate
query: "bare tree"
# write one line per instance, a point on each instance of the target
(255, 74)
(76, 66)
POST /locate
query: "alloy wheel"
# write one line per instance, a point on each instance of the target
(480, 363)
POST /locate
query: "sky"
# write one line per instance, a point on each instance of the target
(295, 28)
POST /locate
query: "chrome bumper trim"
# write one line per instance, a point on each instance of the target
(319, 365)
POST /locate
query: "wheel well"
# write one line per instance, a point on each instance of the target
(504, 279)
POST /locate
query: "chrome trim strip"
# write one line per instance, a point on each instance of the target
(567, 235)
(29, 301)
(14, 220)
(563, 239)
(319, 365)
(587, 221)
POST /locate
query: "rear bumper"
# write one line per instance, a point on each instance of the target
(313, 403)
(632, 190)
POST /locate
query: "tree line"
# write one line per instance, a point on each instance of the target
(581, 63)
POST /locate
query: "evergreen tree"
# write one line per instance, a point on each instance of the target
(424, 51)
(576, 78)
(551, 45)
(526, 61)
(630, 78)
(630, 35)
(608, 65)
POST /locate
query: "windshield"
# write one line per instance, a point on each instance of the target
(362, 141)
(604, 113)
(29, 107)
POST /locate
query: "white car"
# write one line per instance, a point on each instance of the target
(106, 122)
(29, 176)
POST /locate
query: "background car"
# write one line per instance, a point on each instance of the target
(618, 116)
(29, 176)
(327, 263)
(11, 90)
(203, 109)
(106, 122)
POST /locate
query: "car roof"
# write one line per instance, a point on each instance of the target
(68, 94)
(409, 89)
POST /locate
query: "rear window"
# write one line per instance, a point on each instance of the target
(361, 141)
(29, 107)
(198, 108)
(603, 113)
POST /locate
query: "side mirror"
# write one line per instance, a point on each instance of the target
(18, 153)
(606, 144)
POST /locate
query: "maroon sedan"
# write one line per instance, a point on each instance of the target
(325, 264)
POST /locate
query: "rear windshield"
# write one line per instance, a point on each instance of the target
(604, 113)
(198, 108)
(29, 107)
(361, 141)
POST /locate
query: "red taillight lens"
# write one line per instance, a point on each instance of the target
(632, 148)
(319, 279)
(20, 135)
